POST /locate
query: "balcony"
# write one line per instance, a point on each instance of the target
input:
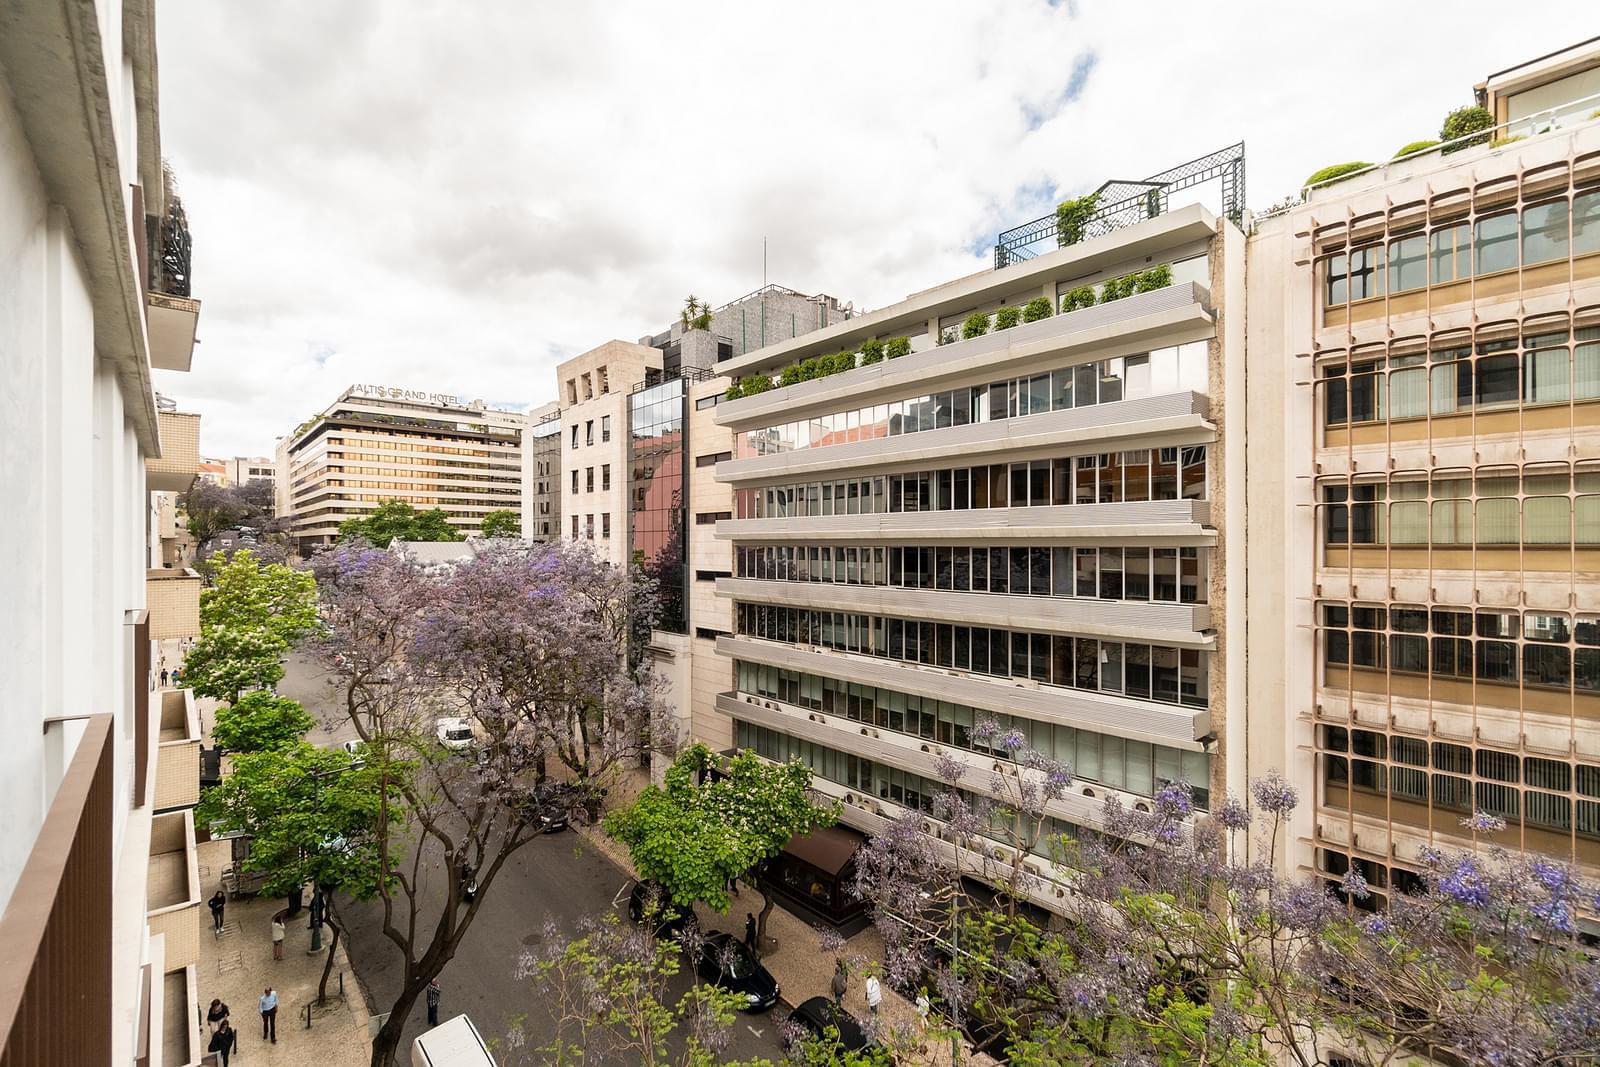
(178, 752)
(172, 596)
(172, 321)
(175, 471)
(1132, 522)
(172, 904)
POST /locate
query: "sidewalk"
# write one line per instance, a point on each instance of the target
(802, 969)
(237, 965)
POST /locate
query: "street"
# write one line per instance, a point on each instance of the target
(556, 875)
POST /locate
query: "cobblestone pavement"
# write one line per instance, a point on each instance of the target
(237, 964)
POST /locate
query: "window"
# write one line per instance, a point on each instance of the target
(1408, 263)
(574, 527)
(588, 432)
(588, 386)
(711, 459)
(605, 476)
(711, 576)
(1494, 244)
(1586, 223)
(574, 431)
(707, 401)
(588, 479)
(588, 527)
(605, 428)
(1450, 254)
(605, 525)
(600, 377)
(1336, 272)
(574, 478)
(1544, 232)
(707, 518)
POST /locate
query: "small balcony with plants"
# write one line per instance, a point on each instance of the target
(172, 314)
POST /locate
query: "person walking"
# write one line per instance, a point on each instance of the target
(163, 677)
(218, 901)
(874, 994)
(217, 1013)
(840, 984)
(269, 1015)
(277, 937)
(750, 933)
(434, 992)
(924, 1006)
(225, 1041)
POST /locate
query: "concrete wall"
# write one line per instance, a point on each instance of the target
(708, 613)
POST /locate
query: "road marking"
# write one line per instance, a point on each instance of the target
(753, 1030)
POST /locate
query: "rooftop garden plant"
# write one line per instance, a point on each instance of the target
(1036, 309)
(896, 347)
(977, 325)
(871, 352)
(1080, 297)
(1072, 218)
(1007, 317)
(1464, 121)
(1415, 146)
(1335, 170)
(696, 314)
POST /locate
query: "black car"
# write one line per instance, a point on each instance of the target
(670, 919)
(551, 805)
(816, 1015)
(724, 961)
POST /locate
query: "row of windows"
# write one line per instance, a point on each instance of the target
(1175, 575)
(467, 473)
(588, 431)
(1457, 251)
(887, 783)
(588, 478)
(1164, 370)
(1147, 672)
(588, 526)
(1541, 504)
(1135, 766)
(1490, 375)
(418, 443)
(1105, 478)
(1561, 651)
(460, 492)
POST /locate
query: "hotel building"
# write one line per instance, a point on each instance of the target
(98, 879)
(376, 443)
(1032, 524)
(1425, 489)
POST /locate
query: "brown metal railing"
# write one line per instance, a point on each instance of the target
(55, 935)
(138, 623)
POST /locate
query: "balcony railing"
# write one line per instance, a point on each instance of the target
(172, 905)
(172, 596)
(175, 470)
(178, 754)
(55, 935)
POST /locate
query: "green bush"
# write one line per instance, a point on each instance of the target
(1116, 288)
(1072, 216)
(977, 325)
(871, 352)
(1036, 309)
(793, 374)
(1081, 297)
(1498, 141)
(748, 386)
(896, 347)
(1414, 146)
(1335, 170)
(1007, 317)
(948, 337)
(1150, 280)
(1462, 122)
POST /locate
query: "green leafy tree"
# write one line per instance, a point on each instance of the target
(396, 518)
(1463, 121)
(502, 523)
(247, 594)
(1072, 218)
(701, 830)
(260, 722)
(228, 660)
(312, 816)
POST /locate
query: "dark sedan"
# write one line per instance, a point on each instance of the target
(670, 920)
(724, 961)
(818, 1014)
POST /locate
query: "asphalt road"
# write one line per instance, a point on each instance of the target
(556, 875)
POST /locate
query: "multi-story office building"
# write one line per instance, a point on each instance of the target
(593, 393)
(376, 444)
(771, 314)
(98, 879)
(242, 470)
(541, 473)
(1032, 524)
(1424, 489)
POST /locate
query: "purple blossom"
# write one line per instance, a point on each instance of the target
(1354, 883)
(1464, 884)
(1484, 823)
(985, 728)
(1232, 814)
(1274, 795)
(1174, 801)
(1010, 741)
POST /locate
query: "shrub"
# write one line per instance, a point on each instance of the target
(1081, 297)
(1036, 309)
(871, 352)
(1072, 216)
(793, 374)
(1335, 170)
(1116, 288)
(1007, 317)
(896, 347)
(1462, 122)
(948, 337)
(748, 386)
(1498, 141)
(1414, 146)
(977, 325)
(1150, 280)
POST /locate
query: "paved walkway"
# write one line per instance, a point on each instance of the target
(237, 965)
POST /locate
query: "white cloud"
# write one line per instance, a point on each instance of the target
(454, 197)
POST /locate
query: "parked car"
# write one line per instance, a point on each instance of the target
(724, 961)
(816, 1015)
(455, 733)
(550, 804)
(670, 919)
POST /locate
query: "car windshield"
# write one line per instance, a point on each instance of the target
(458, 733)
(739, 964)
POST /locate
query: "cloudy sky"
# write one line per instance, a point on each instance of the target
(455, 196)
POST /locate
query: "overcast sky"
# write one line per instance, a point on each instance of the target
(455, 196)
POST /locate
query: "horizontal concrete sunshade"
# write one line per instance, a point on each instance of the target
(1135, 523)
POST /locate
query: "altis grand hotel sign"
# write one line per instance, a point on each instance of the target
(392, 392)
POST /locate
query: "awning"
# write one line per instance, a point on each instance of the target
(828, 849)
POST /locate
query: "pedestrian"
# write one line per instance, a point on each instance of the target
(433, 1001)
(874, 994)
(924, 1005)
(277, 937)
(224, 1041)
(840, 984)
(269, 1015)
(174, 677)
(163, 677)
(750, 932)
(218, 901)
(217, 1013)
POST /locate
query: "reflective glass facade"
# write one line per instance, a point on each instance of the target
(658, 494)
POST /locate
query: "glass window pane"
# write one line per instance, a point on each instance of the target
(1494, 244)
(1544, 232)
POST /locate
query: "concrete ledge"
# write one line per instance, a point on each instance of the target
(173, 890)
(1140, 522)
(178, 752)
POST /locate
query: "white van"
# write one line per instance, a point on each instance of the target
(453, 1043)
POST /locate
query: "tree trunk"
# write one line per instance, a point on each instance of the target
(327, 966)
(767, 901)
(386, 1045)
